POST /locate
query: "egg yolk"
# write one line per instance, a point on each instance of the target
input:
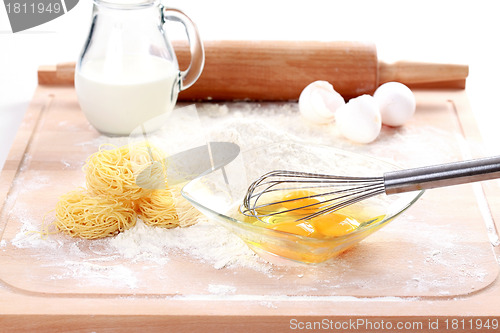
(302, 228)
(334, 224)
(292, 207)
(319, 233)
(298, 203)
(328, 225)
(301, 201)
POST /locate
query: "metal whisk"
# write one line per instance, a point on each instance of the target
(327, 193)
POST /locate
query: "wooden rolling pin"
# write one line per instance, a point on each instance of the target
(279, 70)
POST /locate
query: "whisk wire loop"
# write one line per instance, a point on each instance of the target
(329, 193)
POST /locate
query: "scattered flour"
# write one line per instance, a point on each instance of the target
(109, 262)
(221, 289)
(268, 304)
(205, 241)
(99, 274)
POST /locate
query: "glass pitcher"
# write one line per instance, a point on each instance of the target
(127, 73)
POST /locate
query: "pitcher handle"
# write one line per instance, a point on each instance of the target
(193, 72)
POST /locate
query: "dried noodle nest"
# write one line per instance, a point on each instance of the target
(80, 214)
(113, 200)
(166, 208)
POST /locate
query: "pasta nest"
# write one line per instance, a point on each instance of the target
(166, 208)
(113, 172)
(81, 214)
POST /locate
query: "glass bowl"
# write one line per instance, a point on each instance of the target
(219, 194)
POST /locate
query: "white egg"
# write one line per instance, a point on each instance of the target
(318, 102)
(359, 120)
(396, 102)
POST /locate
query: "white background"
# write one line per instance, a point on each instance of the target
(425, 30)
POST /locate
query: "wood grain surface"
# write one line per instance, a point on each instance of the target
(36, 293)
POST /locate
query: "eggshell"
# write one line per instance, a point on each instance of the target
(359, 120)
(318, 102)
(396, 102)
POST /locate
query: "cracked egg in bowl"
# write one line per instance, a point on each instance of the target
(294, 226)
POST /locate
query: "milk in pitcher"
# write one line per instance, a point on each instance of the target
(118, 95)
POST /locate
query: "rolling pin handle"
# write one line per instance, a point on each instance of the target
(420, 72)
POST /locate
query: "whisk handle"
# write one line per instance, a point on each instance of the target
(442, 175)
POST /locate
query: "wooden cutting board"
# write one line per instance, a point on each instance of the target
(435, 261)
